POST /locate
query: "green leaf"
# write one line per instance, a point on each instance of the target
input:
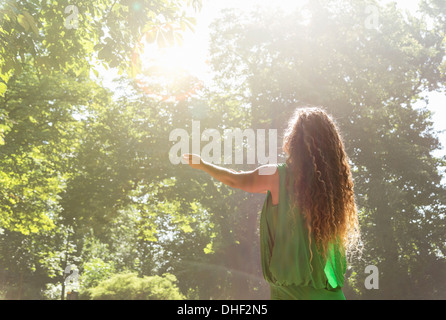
(186, 228)
(3, 88)
(31, 22)
(32, 119)
(208, 249)
(21, 19)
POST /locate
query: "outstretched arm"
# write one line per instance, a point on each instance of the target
(250, 181)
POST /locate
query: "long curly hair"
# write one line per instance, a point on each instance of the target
(323, 184)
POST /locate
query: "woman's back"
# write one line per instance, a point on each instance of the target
(291, 262)
(304, 236)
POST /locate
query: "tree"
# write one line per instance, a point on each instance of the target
(369, 80)
(70, 35)
(85, 178)
(130, 287)
(48, 102)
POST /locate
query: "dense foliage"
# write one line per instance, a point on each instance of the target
(85, 177)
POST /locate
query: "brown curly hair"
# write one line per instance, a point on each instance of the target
(323, 184)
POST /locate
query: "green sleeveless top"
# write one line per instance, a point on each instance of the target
(285, 252)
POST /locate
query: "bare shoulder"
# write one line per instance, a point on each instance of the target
(268, 170)
(270, 173)
(260, 180)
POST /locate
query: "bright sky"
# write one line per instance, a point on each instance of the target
(195, 46)
(193, 56)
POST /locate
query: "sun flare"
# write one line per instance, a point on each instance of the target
(171, 71)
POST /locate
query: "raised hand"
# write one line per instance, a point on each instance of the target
(193, 160)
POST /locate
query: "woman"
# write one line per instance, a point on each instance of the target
(309, 219)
